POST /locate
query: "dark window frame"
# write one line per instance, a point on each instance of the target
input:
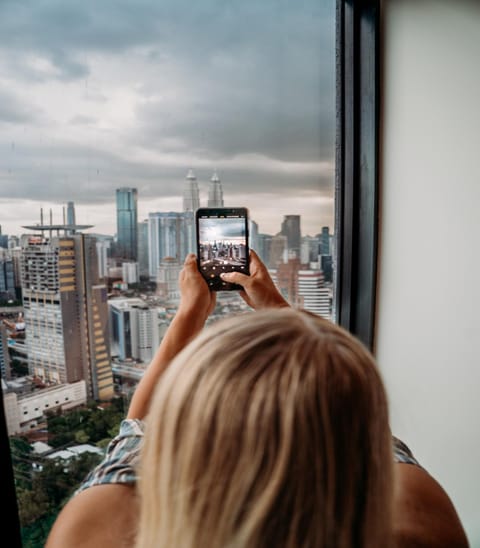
(356, 197)
(357, 160)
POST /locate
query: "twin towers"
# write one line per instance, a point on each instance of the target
(191, 194)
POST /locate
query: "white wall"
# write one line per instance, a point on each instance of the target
(428, 322)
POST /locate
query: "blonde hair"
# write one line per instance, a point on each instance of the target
(269, 429)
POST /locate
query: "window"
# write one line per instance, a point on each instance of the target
(123, 114)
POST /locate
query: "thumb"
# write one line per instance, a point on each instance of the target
(235, 278)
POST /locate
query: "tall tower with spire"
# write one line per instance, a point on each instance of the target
(215, 192)
(191, 196)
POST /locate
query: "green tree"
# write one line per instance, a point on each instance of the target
(81, 436)
(21, 452)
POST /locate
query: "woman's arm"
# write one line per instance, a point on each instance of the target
(106, 514)
(196, 304)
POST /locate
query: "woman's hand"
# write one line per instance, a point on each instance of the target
(197, 301)
(259, 291)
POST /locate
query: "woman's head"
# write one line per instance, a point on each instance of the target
(269, 429)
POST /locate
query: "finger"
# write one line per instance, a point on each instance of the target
(190, 259)
(256, 264)
(253, 255)
(235, 277)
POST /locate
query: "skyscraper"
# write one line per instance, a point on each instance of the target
(71, 213)
(291, 229)
(264, 243)
(142, 255)
(7, 278)
(324, 241)
(278, 251)
(215, 192)
(66, 312)
(314, 296)
(127, 223)
(170, 234)
(191, 196)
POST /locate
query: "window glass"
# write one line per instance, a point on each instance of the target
(118, 120)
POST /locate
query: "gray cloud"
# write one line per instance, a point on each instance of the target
(211, 84)
(16, 111)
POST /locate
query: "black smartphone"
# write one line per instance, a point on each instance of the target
(222, 244)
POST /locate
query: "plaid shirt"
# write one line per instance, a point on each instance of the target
(121, 457)
(123, 454)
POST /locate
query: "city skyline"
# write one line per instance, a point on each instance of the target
(136, 98)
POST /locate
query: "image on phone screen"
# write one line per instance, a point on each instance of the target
(222, 242)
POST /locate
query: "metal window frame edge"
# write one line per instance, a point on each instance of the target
(357, 165)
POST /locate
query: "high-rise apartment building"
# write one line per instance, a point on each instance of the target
(191, 195)
(291, 229)
(170, 234)
(304, 288)
(313, 294)
(215, 192)
(127, 223)
(66, 313)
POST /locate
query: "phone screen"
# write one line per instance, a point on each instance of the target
(222, 244)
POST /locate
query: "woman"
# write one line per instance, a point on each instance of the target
(267, 429)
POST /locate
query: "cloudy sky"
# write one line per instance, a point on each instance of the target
(99, 95)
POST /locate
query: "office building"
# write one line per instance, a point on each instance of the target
(7, 278)
(23, 412)
(135, 329)
(326, 266)
(168, 288)
(16, 254)
(215, 192)
(278, 251)
(142, 253)
(291, 229)
(130, 273)
(325, 241)
(5, 369)
(170, 234)
(66, 313)
(71, 216)
(309, 250)
(191, 195)
(127, 223)
(264, 243)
